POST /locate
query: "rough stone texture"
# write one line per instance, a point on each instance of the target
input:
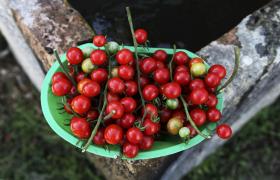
(256, 85)
(54, 24)
(49, 25)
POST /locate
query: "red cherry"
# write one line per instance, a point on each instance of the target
(224, 131)
(196, 84)
(141, 36)
(182, 77)
(117, 107)
(127, 120)
(61, 87)
(151, 127)
(212, 80)
(131, 88)
(130, 150)
(112, 97)
(181, 58)
(124, 56)
(198, 96)
(134, 135)
(150, 92)
(213, 114)
(147, 143)
(92, 115)
(181, 68)
(198, 116)
(161, 75)
(80, 76)
(218, 70)
(180, 114)
(98, 57)
(91, 89)
(172, 90)
(80, 104)
(74, 55)
(99, 139)
(80, 127)
(99, 75)
(160, 55)
(129, 104)
(113, 134)
(126, 72)
(68, 108)
(212, 100)
(116, 85)
(99, 40)
(82, 83)
(165, 115)
(192, 130)
(148, 65)
(151, 111)
(58, 76)
(160, 65)
(144, 81)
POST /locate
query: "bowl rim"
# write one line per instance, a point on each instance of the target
(97, 150)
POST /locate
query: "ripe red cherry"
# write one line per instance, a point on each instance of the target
(218, 70)
(131, 88)
(80, 127)
(165, 114)
(61, 87)
(192, 130)
(198, 96)
(58, 76)
(74, 55)
(150, 92)
(160, 65)
(151, 127)
(92, 115)
(67, 106)
(181, 58)
(134, 135)
(151, 111)
(91, 89)
(196, 84)
(113, 134)
(99, 139)
(181, 68)
(224, 131)
(112, 97)
(198, 116)
(117, 108)
(195, 60)
(98, 57)
(213, 114)
(141, 36)
(99, 75)
(80, 104)
(212, 100)
(144, 81)
(124, 56)
(116, 85)
(180, 114)
(148, 65)
(127, 120)
(80, 76)
(160, 55)
(129, 104)
(182, 77)
(161, 75)
(147, 143)
(172, 90)
(130, 150)
(212, 80)
(126, 72)
(99, 40)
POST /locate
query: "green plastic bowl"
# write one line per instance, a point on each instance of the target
(168, 145)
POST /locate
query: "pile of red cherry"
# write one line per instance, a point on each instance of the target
(121, 98)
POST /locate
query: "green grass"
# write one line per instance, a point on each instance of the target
(254, 153)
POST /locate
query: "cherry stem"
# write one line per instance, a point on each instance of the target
(94, 131)
(191, 121)
(171, 61)
(235, 70)
(137, 60)
(64, 69)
